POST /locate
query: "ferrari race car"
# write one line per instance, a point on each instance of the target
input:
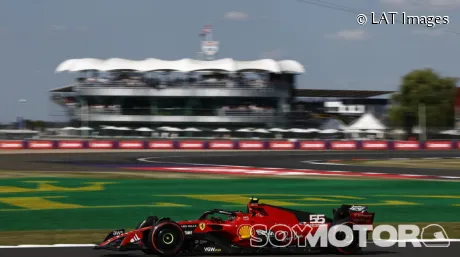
(263, 228)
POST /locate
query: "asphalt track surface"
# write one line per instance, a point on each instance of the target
(270, 159)
(112, 161)
(371, 250)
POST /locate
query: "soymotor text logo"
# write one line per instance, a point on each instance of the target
(345, 235)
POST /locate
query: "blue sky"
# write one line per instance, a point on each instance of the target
(37, 35)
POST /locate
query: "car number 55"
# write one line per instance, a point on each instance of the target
(318, 218)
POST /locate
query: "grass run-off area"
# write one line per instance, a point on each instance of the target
(52, 209)
(452, 164)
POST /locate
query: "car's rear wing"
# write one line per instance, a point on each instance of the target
(364, 218)
(357, 214)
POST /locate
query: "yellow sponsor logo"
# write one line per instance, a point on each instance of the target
(244, 232)
(202, 226)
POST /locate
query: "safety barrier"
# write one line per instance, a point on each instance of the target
(229, 145)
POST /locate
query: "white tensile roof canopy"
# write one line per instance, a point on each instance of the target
(367, 121)
(333, 124)
(182, 65)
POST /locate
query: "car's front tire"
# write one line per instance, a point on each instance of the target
(167, 238)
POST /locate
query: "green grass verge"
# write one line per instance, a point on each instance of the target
(38, 210)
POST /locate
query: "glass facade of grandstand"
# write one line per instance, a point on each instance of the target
(157, 92)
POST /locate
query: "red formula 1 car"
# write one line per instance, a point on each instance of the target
(262, 228)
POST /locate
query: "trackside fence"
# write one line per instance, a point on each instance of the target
(229, 145)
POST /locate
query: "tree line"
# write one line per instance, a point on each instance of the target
(424, 92)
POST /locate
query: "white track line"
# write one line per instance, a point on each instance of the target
(418, 240)
(322, 163)
(262, 170)
(411, 175)
(447, 177)
(293, 173)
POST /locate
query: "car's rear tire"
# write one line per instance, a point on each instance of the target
(167, 238)
(341, 214)
(353, 247)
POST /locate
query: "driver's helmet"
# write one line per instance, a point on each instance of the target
(253, 201)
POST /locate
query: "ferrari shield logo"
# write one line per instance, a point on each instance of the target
(202, 226)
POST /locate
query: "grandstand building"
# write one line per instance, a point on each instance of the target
(186, 92)
(219, 93)
(207, 94)
(204, 93)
